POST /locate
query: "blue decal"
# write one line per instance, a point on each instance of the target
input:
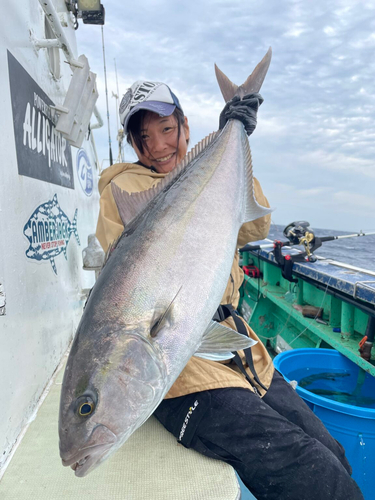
(85, 173)
(48, 231)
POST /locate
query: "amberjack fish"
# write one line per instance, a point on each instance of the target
(48, 231)
(151, 308)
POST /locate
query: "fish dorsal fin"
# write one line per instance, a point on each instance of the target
(129, 205)
(219, 340)
(252, 209)
(198, 149)
(252, 84)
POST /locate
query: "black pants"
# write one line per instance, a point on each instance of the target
(277, 445)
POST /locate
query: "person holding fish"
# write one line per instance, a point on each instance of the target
(237, 410)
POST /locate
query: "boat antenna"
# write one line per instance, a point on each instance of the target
(117, 95)
(120, 130)
(106, 97)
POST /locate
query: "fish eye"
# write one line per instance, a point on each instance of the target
(86, 407)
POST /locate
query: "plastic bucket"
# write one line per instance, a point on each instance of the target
(327, 371)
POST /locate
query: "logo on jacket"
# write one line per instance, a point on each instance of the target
(48, 231)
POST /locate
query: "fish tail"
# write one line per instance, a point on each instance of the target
(251, 85)
(73, 227)
(53, 264)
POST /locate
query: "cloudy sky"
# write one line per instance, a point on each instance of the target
(314, 147)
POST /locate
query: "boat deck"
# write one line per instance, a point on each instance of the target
(343, 296)
(150, 465)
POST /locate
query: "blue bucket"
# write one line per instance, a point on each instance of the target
(350, 418)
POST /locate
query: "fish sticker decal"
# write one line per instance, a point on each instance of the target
(48, 231)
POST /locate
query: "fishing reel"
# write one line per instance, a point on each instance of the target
(297, 233)
(296, 230)
(300, 233)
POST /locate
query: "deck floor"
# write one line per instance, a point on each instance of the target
(151, 464)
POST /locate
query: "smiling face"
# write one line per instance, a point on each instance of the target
(164, 142)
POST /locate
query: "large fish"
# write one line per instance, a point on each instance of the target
(151, 307)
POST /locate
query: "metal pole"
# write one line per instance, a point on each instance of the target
(120, 131)
(117, 97)
(106, 98)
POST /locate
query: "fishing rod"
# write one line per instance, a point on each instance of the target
(298, 233)
(330, 238)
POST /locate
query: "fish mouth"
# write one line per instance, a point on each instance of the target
(85, 459)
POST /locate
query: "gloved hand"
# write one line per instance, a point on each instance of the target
(245, 110)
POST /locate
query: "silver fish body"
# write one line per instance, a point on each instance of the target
(151, 307)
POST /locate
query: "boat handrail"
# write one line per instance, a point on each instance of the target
(364, 284)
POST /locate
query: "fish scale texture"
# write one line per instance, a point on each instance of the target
(151, 465)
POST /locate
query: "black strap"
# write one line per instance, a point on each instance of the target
(223, 312)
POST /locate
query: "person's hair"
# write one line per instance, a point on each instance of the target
(136, 123)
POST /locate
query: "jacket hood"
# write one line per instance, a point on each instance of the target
(118, 168)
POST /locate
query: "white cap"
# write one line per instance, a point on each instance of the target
(153, 96)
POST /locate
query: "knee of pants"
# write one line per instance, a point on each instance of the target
(181, 416)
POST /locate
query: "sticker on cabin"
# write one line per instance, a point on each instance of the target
(85, 172)
(48, 231)
(42, 152)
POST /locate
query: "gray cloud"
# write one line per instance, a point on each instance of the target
(314, 146)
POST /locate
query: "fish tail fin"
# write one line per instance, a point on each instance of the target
(53, 264)
(252, 210)
(73, 227)
(251, 85)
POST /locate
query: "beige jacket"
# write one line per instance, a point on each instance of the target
(199, 374)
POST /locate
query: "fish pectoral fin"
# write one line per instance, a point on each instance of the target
(219, 339)
(216, 356)
(166, 317)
